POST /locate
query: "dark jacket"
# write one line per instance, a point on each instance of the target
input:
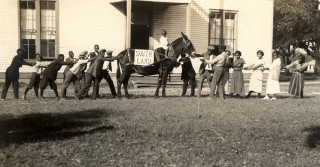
(187, 68)
(95, 67)
(52, 70)
(13, 70)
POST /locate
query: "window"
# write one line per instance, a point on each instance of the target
(223, 29)
(38, 28)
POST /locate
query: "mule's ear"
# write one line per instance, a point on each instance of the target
(184, 36)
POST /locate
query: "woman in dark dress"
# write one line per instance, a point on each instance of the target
(237, 83)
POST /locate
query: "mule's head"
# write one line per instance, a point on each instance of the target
(188, 46)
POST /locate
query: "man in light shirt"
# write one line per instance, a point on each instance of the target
(35, 76)
(164, 42)
(219, 72)
(206, 70)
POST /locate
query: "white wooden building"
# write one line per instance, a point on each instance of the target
(51, 27)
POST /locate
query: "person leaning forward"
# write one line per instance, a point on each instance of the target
(218, 75)
(206, 70)
(93, 74)
(12, 75)
(73, 73)
(50, 75)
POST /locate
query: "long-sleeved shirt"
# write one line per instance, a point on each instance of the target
(38, 65)
(52, 70)
(297, 67)
(275, 68)
(80, 65)
(13, 70)
(220, 60)
(164, 42)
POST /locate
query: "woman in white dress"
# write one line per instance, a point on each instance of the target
(255, 84)
(273, 85)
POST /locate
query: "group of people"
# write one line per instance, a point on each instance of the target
(91, 68)
(77, 72)
(215, 69)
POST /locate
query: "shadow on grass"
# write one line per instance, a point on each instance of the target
(51, 126)
(313, 138)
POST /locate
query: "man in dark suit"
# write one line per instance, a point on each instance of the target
(188, 74)
(206, 70)
(50, 75)
(12, 75)
(91, 55)
(93, 74)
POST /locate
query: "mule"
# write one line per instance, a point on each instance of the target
(162, 67)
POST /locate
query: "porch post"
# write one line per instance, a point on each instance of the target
(128, 25)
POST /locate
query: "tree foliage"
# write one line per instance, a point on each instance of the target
(295, 20)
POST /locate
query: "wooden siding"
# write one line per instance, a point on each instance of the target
(9, 32)
(199, 30)
(84, 23)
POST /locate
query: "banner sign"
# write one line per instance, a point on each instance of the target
(143, 57)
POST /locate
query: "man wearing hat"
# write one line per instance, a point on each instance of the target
(219, 72)
(73, 73)
(188, 74)
(206, 70)
(12, 75)
(105, 74)
(93, 74)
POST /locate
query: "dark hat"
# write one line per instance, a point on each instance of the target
(210, 47)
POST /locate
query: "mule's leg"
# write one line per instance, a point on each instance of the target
(158, 86)
(119, 83)
(125, 83)
(164, 83)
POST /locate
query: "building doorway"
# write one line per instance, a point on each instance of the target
(140, 36)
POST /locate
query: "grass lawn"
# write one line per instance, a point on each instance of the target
(172, 131)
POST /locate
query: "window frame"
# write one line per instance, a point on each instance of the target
(222, 28)
(38, 26)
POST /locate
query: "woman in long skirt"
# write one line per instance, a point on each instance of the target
(237, 83)
(255, 84)
(297, 80)
(273, 85)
